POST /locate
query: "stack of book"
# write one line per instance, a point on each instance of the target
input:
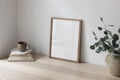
(16, 55)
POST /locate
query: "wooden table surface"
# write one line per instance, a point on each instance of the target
(51, 69)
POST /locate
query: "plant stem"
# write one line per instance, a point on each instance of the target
(109, 38)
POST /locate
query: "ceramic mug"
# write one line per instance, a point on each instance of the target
(21, 46)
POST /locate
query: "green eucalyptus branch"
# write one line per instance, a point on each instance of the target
(108, 42)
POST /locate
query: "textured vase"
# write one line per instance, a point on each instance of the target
(113, 62)
(21, 46)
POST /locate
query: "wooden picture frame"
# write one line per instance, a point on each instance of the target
(59, 29)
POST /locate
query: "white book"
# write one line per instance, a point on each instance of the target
(17, 52)
(21, 58)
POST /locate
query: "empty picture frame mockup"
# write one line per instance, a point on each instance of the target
(65, 38)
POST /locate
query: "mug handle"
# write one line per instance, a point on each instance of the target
(27, 47)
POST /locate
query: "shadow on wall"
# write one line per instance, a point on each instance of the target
(82, 53)
(6, 48)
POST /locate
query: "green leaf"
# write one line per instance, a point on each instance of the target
(106, 37)
(110, 33)
(96, 44)
(102, 39)
(114, 44)
(92, 47)
(101, 19)
(119, 30)
(99, 50)
(108, 43)
(100, 28)
(111, 25)
(105, 32)
(96, 38)
(117, 51)
(115, 37)
(106, 46)
(93, 33)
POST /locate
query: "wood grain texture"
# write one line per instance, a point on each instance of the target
(51, 69)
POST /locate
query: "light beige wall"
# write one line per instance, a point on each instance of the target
(34, 22)
(8, 26)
